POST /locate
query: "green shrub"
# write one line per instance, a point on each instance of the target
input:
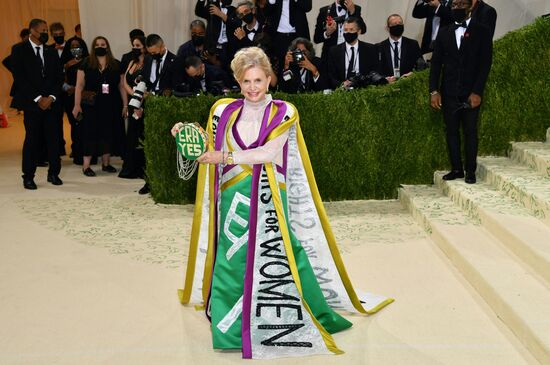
(364, 144)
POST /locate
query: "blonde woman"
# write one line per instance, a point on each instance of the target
(262, 256)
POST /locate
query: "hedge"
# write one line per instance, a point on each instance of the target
(364, 144)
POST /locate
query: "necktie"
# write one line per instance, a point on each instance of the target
(463, 25)
(248, 31)
(157, 73)
(338, 9)
(396, 55)
(40, 59)
(351, 64)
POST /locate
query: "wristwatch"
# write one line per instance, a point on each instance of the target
(229, 160)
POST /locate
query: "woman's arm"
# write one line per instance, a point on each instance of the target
(80, 83)
(123, 94)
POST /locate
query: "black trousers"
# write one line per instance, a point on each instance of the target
(134, 158)
(41, 125)
(455, 115)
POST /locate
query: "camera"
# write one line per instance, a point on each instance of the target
(339, 19)
(427, 1)
(372, 78)
(298, 56)
(137, 97)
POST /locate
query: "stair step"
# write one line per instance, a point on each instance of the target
(536, 155)
(523, 234)
(521, 300)
(519, 182)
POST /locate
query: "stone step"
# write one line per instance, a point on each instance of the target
(519, 298)
(519, 182)
(536, 155)
(511, 224)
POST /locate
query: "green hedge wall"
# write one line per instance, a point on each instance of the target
(364, 144)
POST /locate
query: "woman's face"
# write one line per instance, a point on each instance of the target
(137, 44)
(254, 84)
(75, 44)
(100, 43)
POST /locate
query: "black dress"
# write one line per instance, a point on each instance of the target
(101, 119)
(76, 128)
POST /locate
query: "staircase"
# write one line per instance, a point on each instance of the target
(497, 233)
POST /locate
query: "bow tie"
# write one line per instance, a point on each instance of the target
(248, 31)
(459, 25)
(339, 8)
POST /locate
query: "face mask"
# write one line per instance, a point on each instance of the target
(350, 37)
(59, 39)
(198, 40)
(248, 18)
(100, 51)
(76, 52)
(43, 37)
(157, 57)
(459, 15)
(136, 52)
(226, 2)
(397, 30)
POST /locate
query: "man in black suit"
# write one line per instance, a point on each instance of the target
(351, 58)
(398, 55)
(200, 77)
(216, 12)
(437, 14)
(288, 21)
(24, 35)
(463, 51)
(329, 28)
(157, 69)
(129, 56)
(245, 30)
(485, 14)
(302, 75)
(38, 77)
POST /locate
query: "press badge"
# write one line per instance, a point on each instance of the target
(104, 88)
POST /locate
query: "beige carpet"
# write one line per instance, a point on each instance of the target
(89, 272)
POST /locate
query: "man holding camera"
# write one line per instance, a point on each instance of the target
(301, 71)
(398, 55)
(437, 14)
(329, 28)
(351, 58)
(463, 51)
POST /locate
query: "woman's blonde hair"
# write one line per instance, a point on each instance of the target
(247, 58)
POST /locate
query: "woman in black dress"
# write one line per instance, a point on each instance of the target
(134, 158)
(99, 87)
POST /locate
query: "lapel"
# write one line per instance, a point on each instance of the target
(403, 53)
(35, 62)
(388, 48)
(452, 38)
(342, 61)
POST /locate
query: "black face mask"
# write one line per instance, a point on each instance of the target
(248, 18)
(157, 57)
(43, 38)
(59, 39)
(350, 37)
(198, 40)
(226, 2)
(76, 52)
(136, 52)
(459, 15)
(100, 51)
(397, 30)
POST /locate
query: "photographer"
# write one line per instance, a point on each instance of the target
(352, 58)
(197, 77)
(301, 69)
(329, 28)
(437, 14)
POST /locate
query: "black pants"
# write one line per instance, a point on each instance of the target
(40, 125)
(134, 160)
(455, 115)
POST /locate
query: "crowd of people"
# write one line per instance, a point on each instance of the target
(93, 88)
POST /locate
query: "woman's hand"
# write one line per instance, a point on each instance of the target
(211, 157)
(125, 111)
(175, 129)
(77, 109)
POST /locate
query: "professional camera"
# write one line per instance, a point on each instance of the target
(213, 2)
(298, 56)
(339, 19)
(136, 100)
(372, 78)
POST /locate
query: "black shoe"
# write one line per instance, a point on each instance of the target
(29, 184)
(455, 174)
(127, 175)
(42, 164)
(470, 178)
(108, 168)
(144, 190)
(88, 172)
(55, 180)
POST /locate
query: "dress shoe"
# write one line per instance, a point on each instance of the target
(108, 168)
(55, 180)
(470, 178)
(29, 184)
(88, 172)
(127, 175)
(455, 174)
(144, 190)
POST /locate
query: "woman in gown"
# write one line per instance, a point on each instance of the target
(263, 260)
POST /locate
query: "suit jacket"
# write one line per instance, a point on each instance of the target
(320, 25)
(294, 85)
(165, 82)
(422, 10)
(261, 37)
(187, 49)
(214, 22)
(465, 70)
(336, 62)
(410, 53)
(485, 14)
(298, 16)
(28, 77)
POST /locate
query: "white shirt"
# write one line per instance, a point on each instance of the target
(348, 56)
(251, 35)
(392, 47)
(153, 76)
(60, 50)
(284, 23)
(459, 33)
(223, 34)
